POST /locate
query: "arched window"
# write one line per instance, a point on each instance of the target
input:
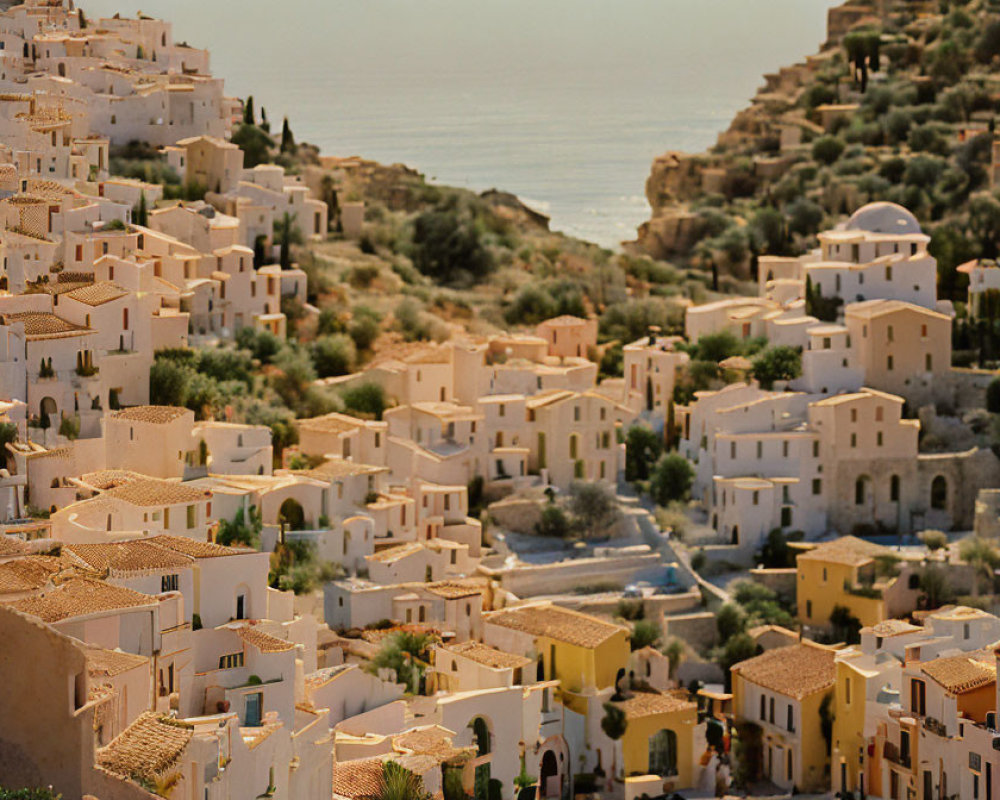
(663, 753)
(939, 493)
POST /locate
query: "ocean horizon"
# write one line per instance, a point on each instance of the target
(564, 103)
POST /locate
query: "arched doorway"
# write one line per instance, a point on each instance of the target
(663, 753)
(939, 493)
(481, 741)
(549, 780)
(48, 411)
(863, 492)
(291, 515)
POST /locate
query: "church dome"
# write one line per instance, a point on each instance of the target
(883, 218)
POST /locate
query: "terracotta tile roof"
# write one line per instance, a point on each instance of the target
(796, 671)
(27, 574)
(553, 622)
(264, 642)
(563, 321)
(649, 704)
(452, 591)
(110, 478)
(339, 468)
(12, 546)
(98, 293)
(124, 557)
(330, 423)
(431, 740)
(45, 325)
(488, 656)
(358, 780)
(391, 554)
(962, 673)
(848, 550)
(156, 492)
(79, 597)
(157, 415)
(147, 748)
(108, 663)
(894, 627)
(196, 548)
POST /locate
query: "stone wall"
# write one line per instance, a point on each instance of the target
(781, 581)
(697, 629)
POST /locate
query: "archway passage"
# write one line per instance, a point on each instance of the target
(939, 493)
(549, 780)
(48, 411)
(292, 515)
(663, 753)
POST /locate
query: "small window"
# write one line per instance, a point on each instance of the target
(732, 450)
(817, 486)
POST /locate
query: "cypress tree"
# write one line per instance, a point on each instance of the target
(248, 115)
(287, 140)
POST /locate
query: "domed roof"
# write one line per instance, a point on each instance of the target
(883, 218)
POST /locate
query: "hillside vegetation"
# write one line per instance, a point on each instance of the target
(899, 106)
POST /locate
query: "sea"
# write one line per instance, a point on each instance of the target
(563, 102)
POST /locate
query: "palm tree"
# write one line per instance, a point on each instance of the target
(614, 723)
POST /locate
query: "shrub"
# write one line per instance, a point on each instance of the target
(333, 355)
(777, 363)
(827, 149)
(934, 540)
(645, 633)
(553, 523)
(642, 448)
(449, 248)
(595, 507)
(367, 399)
(70, 427)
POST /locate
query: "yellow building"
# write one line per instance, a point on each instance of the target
(780, 693)
(841, 573)
(583, 652)
(659, 738)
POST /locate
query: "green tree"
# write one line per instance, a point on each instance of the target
(674, 651)
(333, 355)
(934, 540)
(984, 224)
(287, 140)
(595, 507)
(255, 144)
(827, 149)
(449, 248)
(141, 215)
(365, 399)
(248, 115)
(645, 633)
(168, 383)
(614, 723)
(935, 587)
(779, 363)
(642, 449)
(671, 480)
(553, 523)
(244, 529)
(983, 557)
(406, 654)
(716, 347)
(287, 233)
(730, 621)
(734, 650)
(846, 626)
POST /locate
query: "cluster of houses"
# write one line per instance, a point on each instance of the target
(909, 711)
(175, 663)
(833, 449)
